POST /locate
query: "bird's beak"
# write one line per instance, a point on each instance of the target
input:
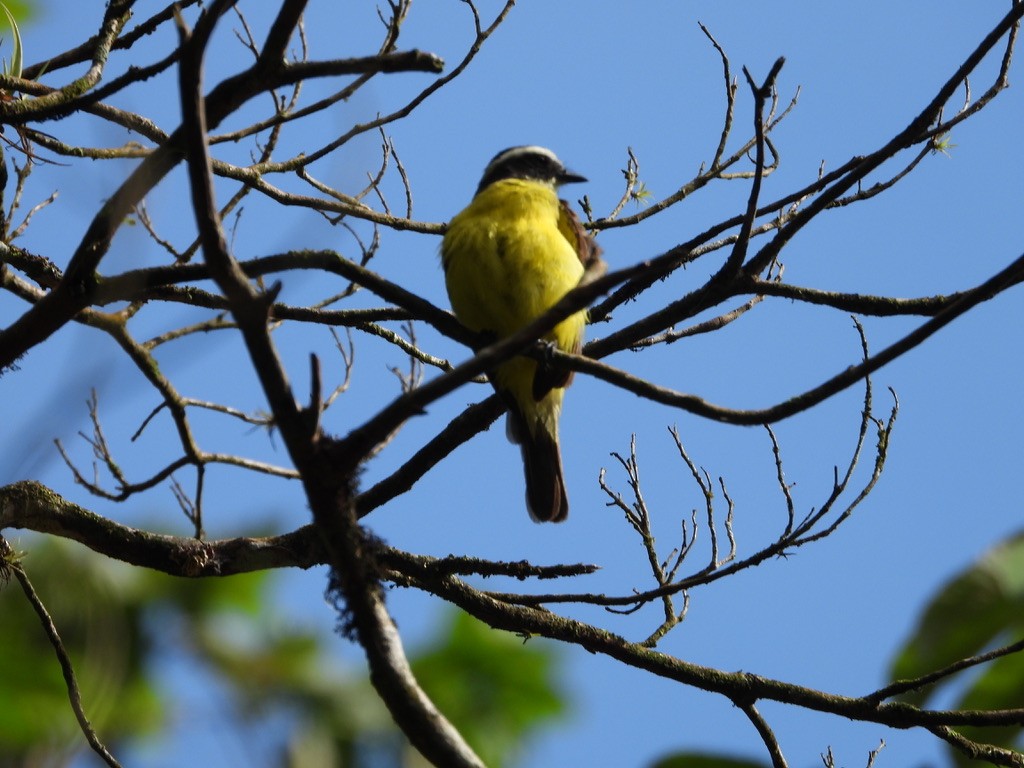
(568, 177)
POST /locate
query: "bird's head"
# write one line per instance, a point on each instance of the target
(528, 162)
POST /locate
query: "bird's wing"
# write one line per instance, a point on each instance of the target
(587, 249)
(589, 253)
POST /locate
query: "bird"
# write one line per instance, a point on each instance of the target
(508, 257)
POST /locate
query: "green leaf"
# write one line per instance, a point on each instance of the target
(16, 53)
(980, 608)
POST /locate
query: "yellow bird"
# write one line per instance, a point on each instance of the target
(508, 257)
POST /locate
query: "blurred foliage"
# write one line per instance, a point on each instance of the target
(98, 607)
(22, 10)
(980, 609)
(120, 624)
(495, 689)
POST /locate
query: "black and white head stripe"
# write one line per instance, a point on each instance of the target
(528, 162)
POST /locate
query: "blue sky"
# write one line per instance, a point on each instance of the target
(590, 79)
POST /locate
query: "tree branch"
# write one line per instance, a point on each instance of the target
(328, 481)
(734, 685)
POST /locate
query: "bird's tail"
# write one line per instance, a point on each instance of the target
(546, 499)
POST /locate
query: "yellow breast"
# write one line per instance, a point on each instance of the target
(506, 261)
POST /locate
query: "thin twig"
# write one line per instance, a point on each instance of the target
(13, 565)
